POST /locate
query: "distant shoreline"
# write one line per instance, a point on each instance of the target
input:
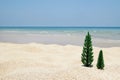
(98, 45)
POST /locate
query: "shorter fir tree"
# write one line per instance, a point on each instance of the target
(100, 62)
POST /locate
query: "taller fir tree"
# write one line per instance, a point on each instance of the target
(87, 54)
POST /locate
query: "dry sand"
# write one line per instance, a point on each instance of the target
(54, 62)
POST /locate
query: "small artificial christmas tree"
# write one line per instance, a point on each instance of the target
(100, 62)
(87, 54)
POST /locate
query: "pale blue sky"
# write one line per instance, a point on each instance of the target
(60, 12)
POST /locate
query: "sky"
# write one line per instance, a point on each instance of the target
(59, 12)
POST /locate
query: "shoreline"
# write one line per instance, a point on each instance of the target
(109, 45)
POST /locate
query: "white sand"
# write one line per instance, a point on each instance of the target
(54, 62)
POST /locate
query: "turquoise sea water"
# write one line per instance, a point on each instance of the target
(61, 35)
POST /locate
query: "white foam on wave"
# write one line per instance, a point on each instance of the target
(44, 32)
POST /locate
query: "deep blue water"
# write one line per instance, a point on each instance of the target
(59, 28)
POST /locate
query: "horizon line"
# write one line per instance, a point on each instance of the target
(59, 27)
(50, 26)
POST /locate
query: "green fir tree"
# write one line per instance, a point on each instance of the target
(100, 62)
(87, 54)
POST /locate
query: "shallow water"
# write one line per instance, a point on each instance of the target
(101, 36)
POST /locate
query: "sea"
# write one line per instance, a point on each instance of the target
(101, 36)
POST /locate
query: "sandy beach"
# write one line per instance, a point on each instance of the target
(35, 61)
